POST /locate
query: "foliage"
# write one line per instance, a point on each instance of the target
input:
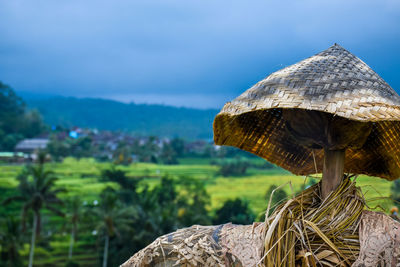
(235, 211)
(118, 176)
(140, 119)
(178, 145)
(135, 206)
(12, 108)
(36, 191)
(127, 193)
(276, 197)
(74, 216)
(110, 215)
(232, 152)
(84, 178)
(148, 151)
(16, 122)
(80, 147)
(111, 219)
(124, 149)
(122, 156)
(58, 149)
(233, 167)
(395, 192)
(72, 264)
(11, 241)
(168, 154)
(192, 202)
(264, 166)
(172, 204)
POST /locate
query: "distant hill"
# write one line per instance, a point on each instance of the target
(141, 119)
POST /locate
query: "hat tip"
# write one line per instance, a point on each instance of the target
(336, 46)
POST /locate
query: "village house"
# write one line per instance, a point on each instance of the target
(32, 146)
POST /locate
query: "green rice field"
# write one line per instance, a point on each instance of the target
(81, 177)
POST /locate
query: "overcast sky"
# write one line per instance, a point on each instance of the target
(183, 52)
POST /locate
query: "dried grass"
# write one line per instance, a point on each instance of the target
(306, 231)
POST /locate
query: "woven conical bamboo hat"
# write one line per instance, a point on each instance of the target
(334, 82)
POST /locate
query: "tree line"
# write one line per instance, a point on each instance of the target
(126, 217)
(16, 121)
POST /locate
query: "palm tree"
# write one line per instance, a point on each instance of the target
(74, 214)
(36, 190)
(112, 217)
(11, 241)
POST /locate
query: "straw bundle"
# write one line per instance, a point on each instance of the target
(305, 232)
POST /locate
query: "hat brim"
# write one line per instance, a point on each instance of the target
(262, 132)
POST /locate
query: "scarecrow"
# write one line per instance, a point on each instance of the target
(329, 114)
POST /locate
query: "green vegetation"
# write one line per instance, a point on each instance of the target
(111, 218)
(36, 191)
(194, 192)
(140, 119)
(236, 211)
(395, 191)
(273, 197)
(11, 240)
(73, 218)
(105, 195)
(16, 122)
(233, 168)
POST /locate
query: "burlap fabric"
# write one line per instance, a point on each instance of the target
(379, 241)
(242, 245)
(223, 245)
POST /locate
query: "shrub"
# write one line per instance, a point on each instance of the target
(395, 191)
(233, 168)
(71, 264)
(278, 196)
(235, 211)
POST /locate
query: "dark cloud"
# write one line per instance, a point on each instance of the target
(193, 53)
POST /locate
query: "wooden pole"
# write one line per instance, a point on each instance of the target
(333, 171)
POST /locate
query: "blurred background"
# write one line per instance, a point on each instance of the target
(106, 111)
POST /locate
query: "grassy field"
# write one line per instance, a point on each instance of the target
(81, 177)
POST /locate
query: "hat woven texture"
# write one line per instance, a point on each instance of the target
(333, 81)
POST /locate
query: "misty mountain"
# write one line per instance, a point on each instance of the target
(142, 119)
